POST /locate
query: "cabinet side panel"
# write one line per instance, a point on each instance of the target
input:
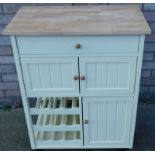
(137, 85)
(22, 89)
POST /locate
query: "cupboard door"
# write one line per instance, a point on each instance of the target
(107, 75)
(107, 121)
(50, 76)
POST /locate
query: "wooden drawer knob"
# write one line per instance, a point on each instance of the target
(85, 121)
(76, 77)
(82, 77)
(77, 46)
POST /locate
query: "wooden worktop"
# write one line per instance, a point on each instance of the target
(92, 20)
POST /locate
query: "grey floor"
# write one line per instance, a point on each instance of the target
(14, 136)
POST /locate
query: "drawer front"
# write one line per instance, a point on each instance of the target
(49, 76)
(107, 75)
(68, 44)
(108, 121)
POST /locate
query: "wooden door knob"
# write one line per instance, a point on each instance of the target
(76, 77)
(77, 46)
(82, 77)
(85, 121)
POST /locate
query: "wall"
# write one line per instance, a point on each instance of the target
(9, 87)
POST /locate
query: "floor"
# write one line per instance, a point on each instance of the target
(14, 136)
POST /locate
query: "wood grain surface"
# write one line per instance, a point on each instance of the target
(78, 20)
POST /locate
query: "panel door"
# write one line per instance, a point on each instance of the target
(107, 75)
(50, 76)
(109, 121)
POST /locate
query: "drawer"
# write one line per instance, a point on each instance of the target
(67, 44)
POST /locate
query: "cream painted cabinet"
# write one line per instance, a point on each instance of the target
(79, 73)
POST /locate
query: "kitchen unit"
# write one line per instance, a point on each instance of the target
(79, 72)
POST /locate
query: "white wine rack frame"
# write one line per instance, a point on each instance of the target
(57, 121)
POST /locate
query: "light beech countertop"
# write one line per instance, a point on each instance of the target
(78, 20)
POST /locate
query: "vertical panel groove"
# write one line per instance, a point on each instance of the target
(106, 74)
(106, 120)
(61, 77)
(98, 120)
(50, 75)
(28, 70)
(115, 120)
(38, 66)
(125, 122)
(129, 72)
(117, 75)
(95, 75)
